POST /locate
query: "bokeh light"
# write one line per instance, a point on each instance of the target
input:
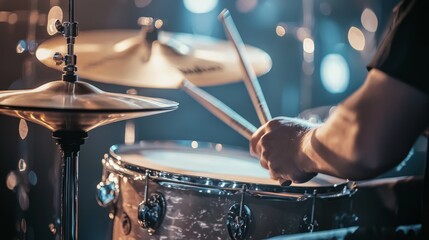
(22, 165)
(356, 38)
(32, 178)
(23, 129)
(21, 46)
(302, 33)
(24, 201)
(142, 3)
(308, 45)
(281, 29)
(369, 20)
(246, 5)
(12, 18)
(11, 180)
(200, 6)
(334, 73)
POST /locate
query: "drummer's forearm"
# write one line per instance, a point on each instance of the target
(319, 158)
(334, 148)
(356, 141)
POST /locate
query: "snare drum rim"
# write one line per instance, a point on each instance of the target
(345, 188)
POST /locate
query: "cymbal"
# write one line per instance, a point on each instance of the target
(61, 105)
(121, 57)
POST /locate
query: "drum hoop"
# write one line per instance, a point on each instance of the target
(169, 179)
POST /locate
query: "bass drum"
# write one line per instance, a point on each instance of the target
(199, 190)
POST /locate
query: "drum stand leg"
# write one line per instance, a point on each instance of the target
(69, 142)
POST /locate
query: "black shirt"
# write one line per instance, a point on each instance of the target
(404, 51)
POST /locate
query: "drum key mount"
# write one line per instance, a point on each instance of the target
(151, 210)
(238, 218)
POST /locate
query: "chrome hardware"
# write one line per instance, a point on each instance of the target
(149, 32)
(238, 218)
(54, 226)
(108, 191)
(151, 210)
(309, 224)
(348, 218)
(216, 186)
(58, 58)
(59, 26)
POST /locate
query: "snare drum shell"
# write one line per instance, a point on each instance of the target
(191, 214)
(198, 198)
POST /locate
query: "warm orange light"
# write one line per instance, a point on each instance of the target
(308, 45)
(356, 38)
(280, 30)
(369, 20)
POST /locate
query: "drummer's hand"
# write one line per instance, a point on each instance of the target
(278, 146)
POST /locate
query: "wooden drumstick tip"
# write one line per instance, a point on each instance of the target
(285, 183)
(224, 14)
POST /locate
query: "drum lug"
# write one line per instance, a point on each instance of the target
(151, 210)
(347, 219)
(238, 218)
(108, 191)
(309, 224)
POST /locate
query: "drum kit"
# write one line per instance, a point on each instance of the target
(169, 189)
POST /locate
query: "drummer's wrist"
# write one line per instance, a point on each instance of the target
(307, 156)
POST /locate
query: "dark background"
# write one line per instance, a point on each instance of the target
(29, 206)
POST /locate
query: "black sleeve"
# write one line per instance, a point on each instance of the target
(404, 51)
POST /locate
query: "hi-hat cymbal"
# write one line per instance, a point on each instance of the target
(61, 105)
(121, 57)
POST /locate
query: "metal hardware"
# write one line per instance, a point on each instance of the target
(108, 191)
(59, 26)
(348, 218)
(58, 58)
(238, 218)
(151, 210)
(216, 186)
(309, 224)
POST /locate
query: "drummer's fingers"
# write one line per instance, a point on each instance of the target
(255, 145)
(283, 180)
(263, 163)
(275, 172)
(304, 177)
(273, 175)
(264, 156)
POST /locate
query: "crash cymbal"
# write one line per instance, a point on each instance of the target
(61, 105)
(123, 57)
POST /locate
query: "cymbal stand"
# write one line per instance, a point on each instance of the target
(71, 109)
(69, 141)
(70, 31)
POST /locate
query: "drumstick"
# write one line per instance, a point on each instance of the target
(250, 78)
(219, 109)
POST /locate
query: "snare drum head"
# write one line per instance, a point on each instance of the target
(205, 160)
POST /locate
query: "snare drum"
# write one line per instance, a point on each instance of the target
(199, 190)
